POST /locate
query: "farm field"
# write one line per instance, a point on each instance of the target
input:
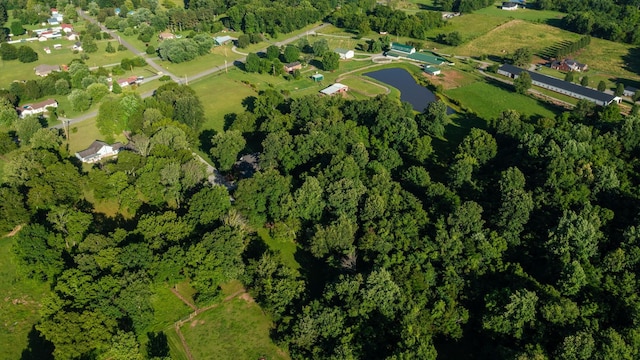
(508, 37)
(488, 101)
(19, 304)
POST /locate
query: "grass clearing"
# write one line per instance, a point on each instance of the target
(167, 308)
(19, 303)
(489, 101)
(236, 329)
(287, 249)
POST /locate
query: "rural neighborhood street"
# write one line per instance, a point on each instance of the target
(164, 71)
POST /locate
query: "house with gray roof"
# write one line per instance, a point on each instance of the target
(98, 150)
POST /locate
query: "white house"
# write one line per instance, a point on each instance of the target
(509, 6)
(37, 108)
(98, 151)
(345, 54)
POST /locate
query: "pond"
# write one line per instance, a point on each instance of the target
(410, 91)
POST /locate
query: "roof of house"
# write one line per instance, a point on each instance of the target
(431, 69)
(401, 47)
(565, 85)
(333, 89)
(40, 105)
(42, 68)
(66, 26)
(509, 4)
(222, 39)
(93, 149)
(342, 51)
(166, 35)
(317, 76)
(293, 64)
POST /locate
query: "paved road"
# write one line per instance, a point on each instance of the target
(131, 48)
(210, 71)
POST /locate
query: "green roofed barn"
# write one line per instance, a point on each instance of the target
(405, 49)
(432, 70)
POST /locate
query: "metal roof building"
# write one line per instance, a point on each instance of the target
(560, 86)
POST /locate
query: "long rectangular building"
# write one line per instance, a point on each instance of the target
(561, 86)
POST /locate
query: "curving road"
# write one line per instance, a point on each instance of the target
(159, 68)
(131, 48)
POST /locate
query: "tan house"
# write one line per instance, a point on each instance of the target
(291, 67)
(166, 36)
(44, 70)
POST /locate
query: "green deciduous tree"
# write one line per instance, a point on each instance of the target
(522, 83)
(522, 56)
(330, 61)
(26, 54)
(602, 86)
(225, 147)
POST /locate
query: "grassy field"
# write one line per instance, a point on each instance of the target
(18, 306)
(506, 38)
(532, 15)
(237, 329)
(470, 26)
(612, 61)
(488, 101)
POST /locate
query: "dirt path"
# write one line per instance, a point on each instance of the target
(14, 231)
(176, 293)
(197, 311)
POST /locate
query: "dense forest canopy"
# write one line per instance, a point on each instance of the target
(521, 243)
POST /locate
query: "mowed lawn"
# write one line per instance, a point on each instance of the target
(489, 101)
(19, 304)
(236, 329)
(221, 94)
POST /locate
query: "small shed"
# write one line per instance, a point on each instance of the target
(345, 54)
(221, 40)
(509, 6)
(317, 77)
(432, 70)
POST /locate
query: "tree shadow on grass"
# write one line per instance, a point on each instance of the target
(38, 347)
(632, 60)
(205, 139)
(158, 346)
